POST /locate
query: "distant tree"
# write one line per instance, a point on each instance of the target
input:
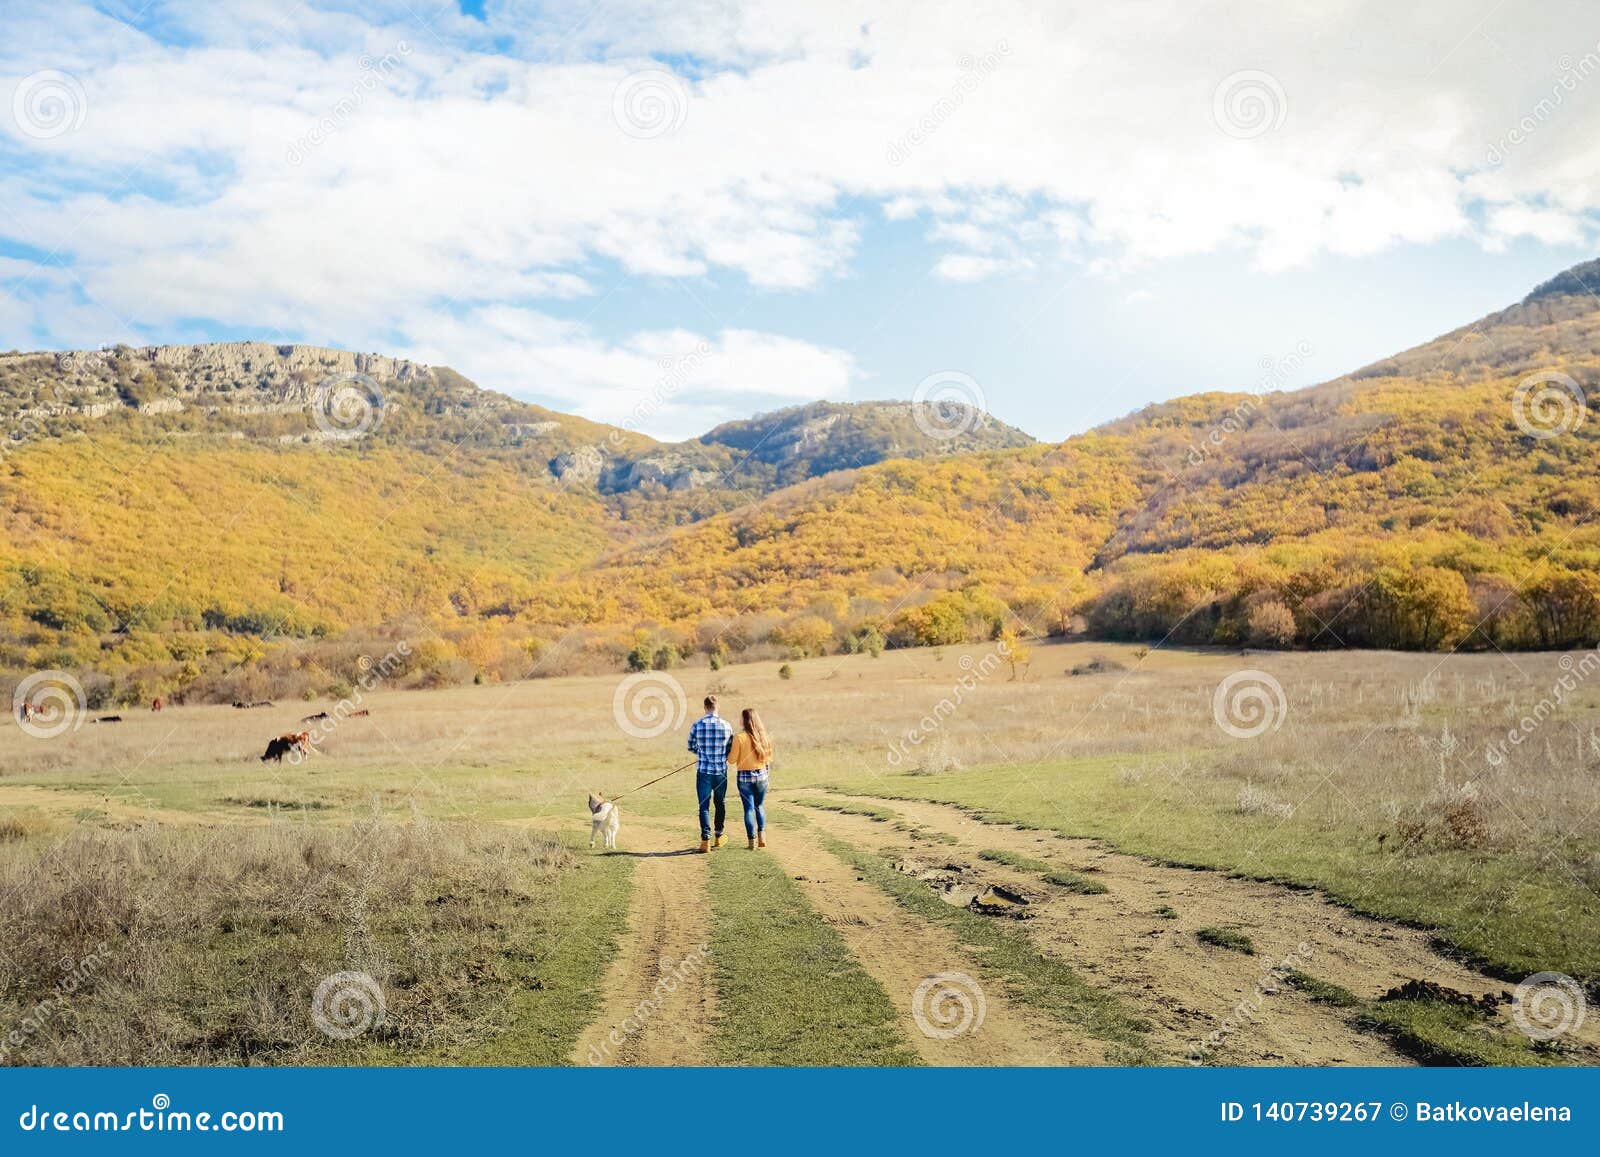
(1271, 624)
(1566, 611)
(1016, 651)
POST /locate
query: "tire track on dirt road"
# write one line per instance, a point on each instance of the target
(659, 1000)
(1189, 989)
(900, 951)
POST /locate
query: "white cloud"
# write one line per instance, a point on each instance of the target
(974, 267)
(672, 384)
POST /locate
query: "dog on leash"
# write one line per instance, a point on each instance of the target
(604, 819)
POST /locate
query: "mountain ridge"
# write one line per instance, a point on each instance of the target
(1442, 497)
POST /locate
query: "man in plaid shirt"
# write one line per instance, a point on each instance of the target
(709, 739)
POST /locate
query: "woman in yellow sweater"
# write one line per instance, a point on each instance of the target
(749, 753)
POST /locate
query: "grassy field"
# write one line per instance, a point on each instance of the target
(436, 845)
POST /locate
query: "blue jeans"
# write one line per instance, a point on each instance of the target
(711, 788)
(753, 793)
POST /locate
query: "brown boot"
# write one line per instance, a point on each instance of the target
(718, 842)
(752, 845)
(761, 840)
(705, 845)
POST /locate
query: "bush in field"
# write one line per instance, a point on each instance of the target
(786, 672)
(936, 756)
(1254, 801)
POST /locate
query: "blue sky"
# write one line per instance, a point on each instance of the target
(668, 214)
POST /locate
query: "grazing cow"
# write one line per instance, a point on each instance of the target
(314, 718)
(156, 704)
(298, 741)
(358, 714)
(26, 712)
(109, 719)
(255, 703)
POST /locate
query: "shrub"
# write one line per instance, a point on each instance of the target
(1253, 801)
(786, 672)
(1271, 624)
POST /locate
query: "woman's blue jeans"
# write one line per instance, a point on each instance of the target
(753, 793)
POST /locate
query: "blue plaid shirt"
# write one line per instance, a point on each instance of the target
(709, 739)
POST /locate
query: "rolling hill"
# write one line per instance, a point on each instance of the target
(198, 520)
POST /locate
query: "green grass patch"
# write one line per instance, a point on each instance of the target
(789, 992)
(1075, 882)
(1013, 860)
(265, 801)
(1060, 877)
(1165, 912)
(1230, 938)
(556, 965)
(1435, 1032)
(1321, 991)
(1007, 955)
(1438, 1033)
(879, 815)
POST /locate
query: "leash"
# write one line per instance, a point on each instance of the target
(657, 779)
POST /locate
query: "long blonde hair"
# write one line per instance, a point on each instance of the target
(759, 739)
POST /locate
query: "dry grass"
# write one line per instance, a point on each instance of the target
(1376, 777)
(1396, 744)
(203, 946)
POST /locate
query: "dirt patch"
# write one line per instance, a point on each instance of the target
(964, 886)
(659, 999)
(1428, 990)
(904, 953)
(1233, 1009)
(115, 811)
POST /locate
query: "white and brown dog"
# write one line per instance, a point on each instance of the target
(604, 818)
